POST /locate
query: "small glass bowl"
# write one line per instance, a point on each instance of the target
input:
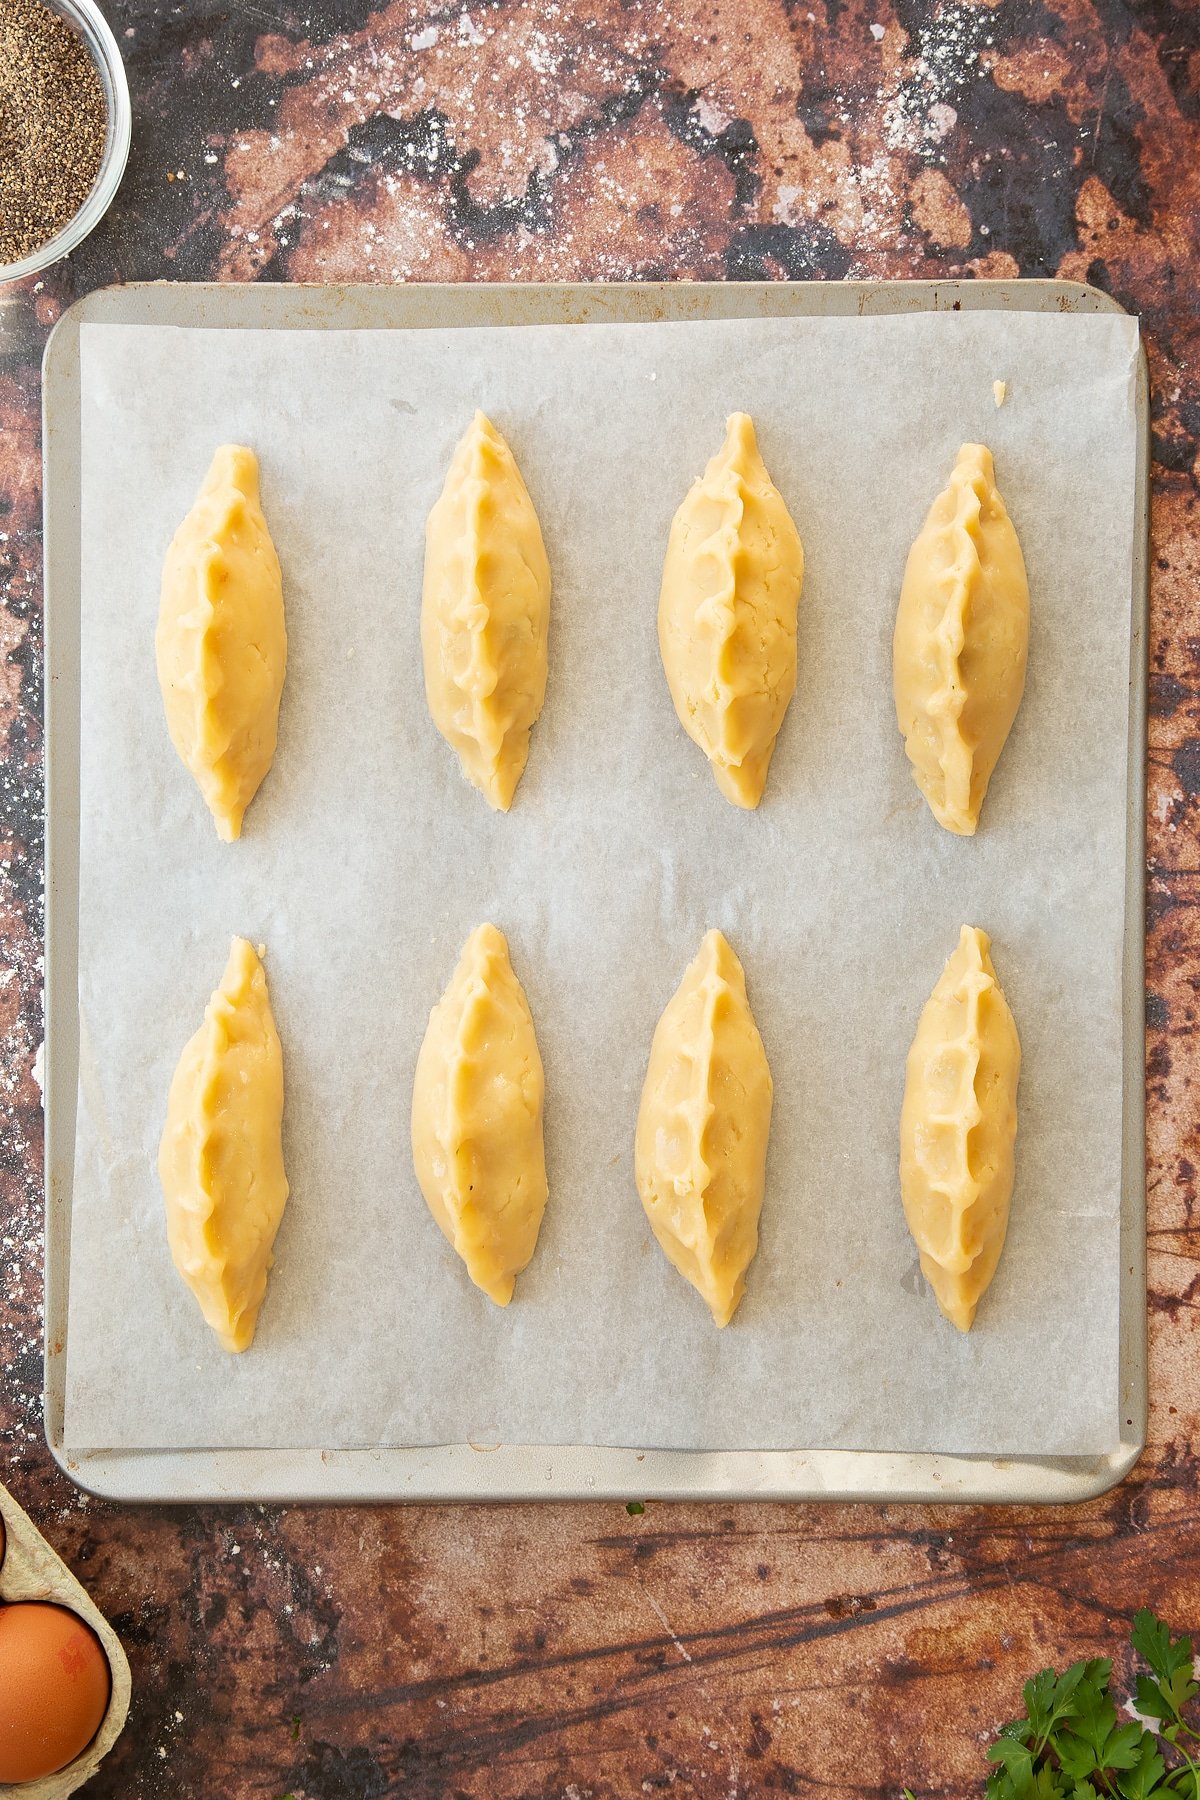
(94, 29)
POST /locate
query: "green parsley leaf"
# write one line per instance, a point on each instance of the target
(1124, 1747)
(1153, 1703)
(1093, 1688)
(634, 1508)
(1051, 1699)
(1018, 1767)
(1172, 1661)
(1155, 1645)
(1097, 1742)
(1140, 1781)
(1076, 1755)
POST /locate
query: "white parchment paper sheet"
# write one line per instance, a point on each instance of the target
(367, 859)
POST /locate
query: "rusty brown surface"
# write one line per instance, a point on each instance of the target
(559, 1651)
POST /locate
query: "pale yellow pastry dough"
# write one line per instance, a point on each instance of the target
(221, 1157)
(727, 613)
(958, 1126)
(477, 1117)
(485, 613)
(221, 644)
(960, 644)
(700, 1153)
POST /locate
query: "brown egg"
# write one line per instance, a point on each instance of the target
(54, 1688)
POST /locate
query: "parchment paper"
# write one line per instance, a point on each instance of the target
(367, 859)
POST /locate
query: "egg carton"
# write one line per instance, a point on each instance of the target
(31, 1570)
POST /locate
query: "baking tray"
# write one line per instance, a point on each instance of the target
(515, 1472)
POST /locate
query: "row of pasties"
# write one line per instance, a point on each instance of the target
(727, 619)
(700, 1148)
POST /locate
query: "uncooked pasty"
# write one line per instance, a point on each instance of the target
(477, 1117)
(221, 1157)
(961, 639)
(958, 1126)
(221, 644)
(700, 1154)
(485, 613)
(727, 614)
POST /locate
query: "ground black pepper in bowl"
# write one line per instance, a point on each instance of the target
(53, 125)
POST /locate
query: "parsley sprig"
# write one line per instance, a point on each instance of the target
(1071, 1744)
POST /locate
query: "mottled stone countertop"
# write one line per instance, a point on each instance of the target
(581, 1651)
